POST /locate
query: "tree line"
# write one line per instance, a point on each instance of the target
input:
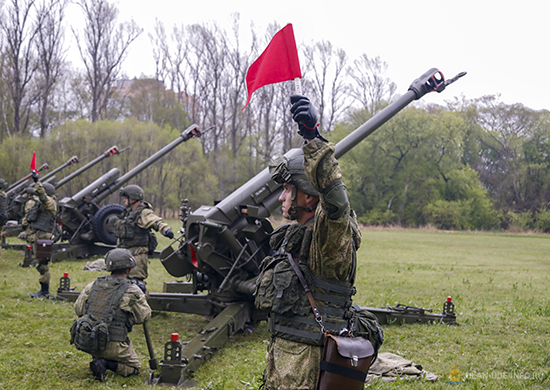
(465, 164)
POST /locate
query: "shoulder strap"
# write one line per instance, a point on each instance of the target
(116, 298)
(300, 276)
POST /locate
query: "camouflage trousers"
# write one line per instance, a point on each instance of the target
(142, 262)
(291, 365)
(123, 353)
(43, 268)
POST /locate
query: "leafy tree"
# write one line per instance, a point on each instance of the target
(394, 168)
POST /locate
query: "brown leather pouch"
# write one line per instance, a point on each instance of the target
(43, 249)
(345, 363)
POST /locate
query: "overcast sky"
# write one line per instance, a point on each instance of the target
(503, 45)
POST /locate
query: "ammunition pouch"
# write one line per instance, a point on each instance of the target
(367, 327)
(152, 243)
(43, 221)
(89, 334)
(278, 288)
(103, 304)
(35, 211)
(128, 232)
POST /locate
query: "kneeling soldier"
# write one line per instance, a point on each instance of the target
(117, 302)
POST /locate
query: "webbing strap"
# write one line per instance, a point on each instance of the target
(297, 332)
(330, 298)
(344, 371)
(300, 276)
(318, 282)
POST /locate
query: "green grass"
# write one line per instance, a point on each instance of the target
(500, 284)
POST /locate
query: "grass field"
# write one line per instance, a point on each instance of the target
(500, 284)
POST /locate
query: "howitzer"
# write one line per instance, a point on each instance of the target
(16, 199)
(223, 246)
(16, 205)
(85, 223)
(18, 189)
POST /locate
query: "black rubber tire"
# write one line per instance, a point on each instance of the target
(100, 220)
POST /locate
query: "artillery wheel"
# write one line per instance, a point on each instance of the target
(101, 220)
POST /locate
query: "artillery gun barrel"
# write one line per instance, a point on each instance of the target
(110, 152)
(71, 161)
(96, 187)
(17, 187)
(256, 188)
(185, 135)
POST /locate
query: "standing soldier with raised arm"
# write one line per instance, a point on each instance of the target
(322, 242)
(39, 223)
(133, 229)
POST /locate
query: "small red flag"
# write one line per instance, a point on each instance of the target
(33, 161)
(279, 62)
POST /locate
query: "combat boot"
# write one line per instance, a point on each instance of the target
(112, 365)
(98, 367)
(44, 291)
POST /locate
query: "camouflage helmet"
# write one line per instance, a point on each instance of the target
(132, 191)
(119, 259)
(3, 184)
(50, 189)
(291, 170)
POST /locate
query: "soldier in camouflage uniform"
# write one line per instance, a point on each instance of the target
(39, 223)
(323, 242)
(133, 229)
(97, 299)
(3, 203)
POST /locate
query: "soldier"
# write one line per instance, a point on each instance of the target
(115, 296)
(3, 203)
(133, 229)
(4, 217)
(323, 241)
(39, 223)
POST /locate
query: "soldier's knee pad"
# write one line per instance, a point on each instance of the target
(335, 196)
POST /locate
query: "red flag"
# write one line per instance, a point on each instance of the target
(279, 62)
(33, 162)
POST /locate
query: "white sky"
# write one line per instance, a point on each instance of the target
(503, 45)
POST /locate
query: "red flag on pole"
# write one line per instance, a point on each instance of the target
(279, 62)
(33, 162)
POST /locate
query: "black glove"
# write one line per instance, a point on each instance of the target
(34, 175)
(168, 234)
(305, 115)
(140, 285)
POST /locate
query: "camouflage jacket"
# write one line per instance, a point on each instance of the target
(332, 247)
(48, 203)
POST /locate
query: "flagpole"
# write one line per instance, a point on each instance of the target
(298, 86)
